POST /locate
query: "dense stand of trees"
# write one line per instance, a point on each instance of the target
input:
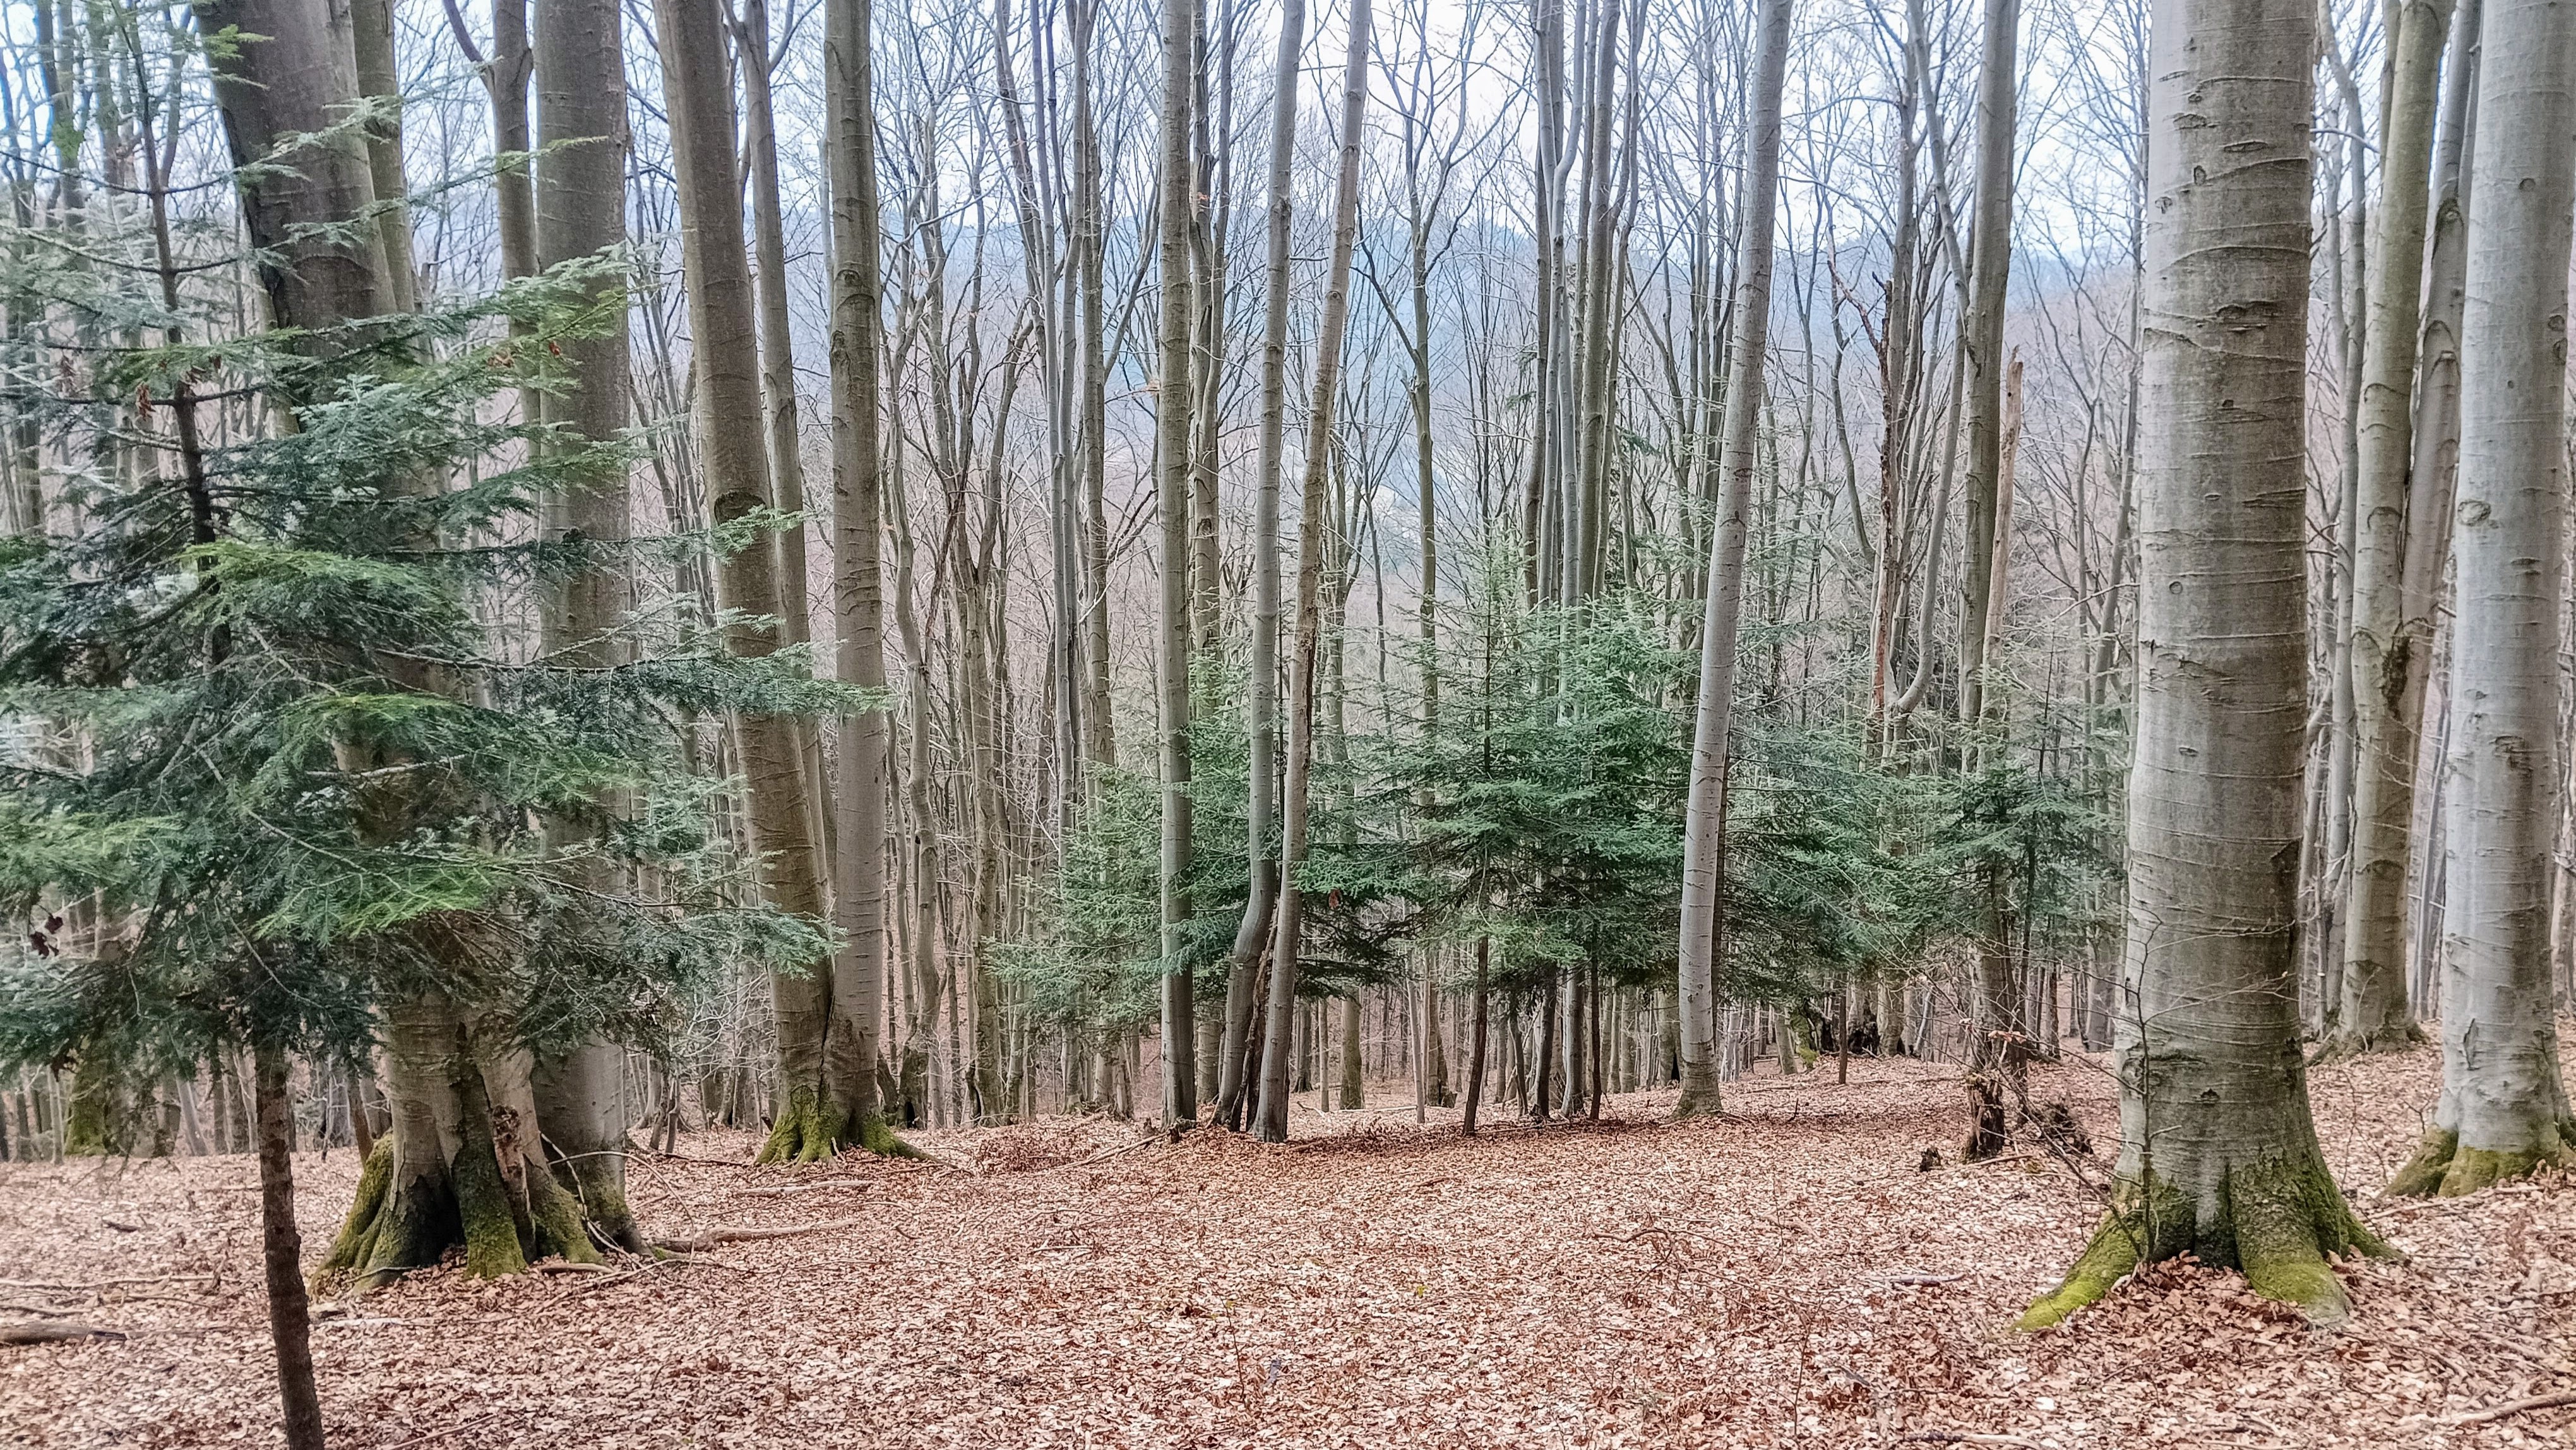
(1845, 527)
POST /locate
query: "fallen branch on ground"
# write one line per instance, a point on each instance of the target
(2515, 1407)
(807, 1187)
(70, 1286)
(37, 1331)
(713, 1237)
(1963, 1437)
(566, 1266)
(1925, 1278)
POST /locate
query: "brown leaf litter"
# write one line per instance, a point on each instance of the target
(1781, 1277)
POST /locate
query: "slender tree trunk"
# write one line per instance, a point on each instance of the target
(1174, 443)
(1271, 1123)
(2372, 1014)
(2504, 1110)
(1704, 828)
(698, 90)
(2218, 1151)
(290, 1327)
(1262, 688)
(1982, 335)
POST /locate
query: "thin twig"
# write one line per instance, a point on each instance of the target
(2516, 1407)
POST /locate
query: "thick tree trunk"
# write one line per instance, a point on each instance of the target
(2372, 1014)
(1271, 1121)
(1174, 442)
(580, 210)
(1704, 828)
(2219, 1154)
(2504, 1110)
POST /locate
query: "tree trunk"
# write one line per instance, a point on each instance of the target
(290, 1327)
(2503, 1110)
(1982, 337)
(1272, 1121)
(2372, 1014)
(2219, 1153)
(1262, 688)
(697, 85)
(1174, 460)
(1476, 1044)
(1704, 829)
(580, 210)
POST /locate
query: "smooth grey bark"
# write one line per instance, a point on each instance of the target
(2219, 1152)
(752, 60)
(2504, 1110)
(859, 898)
(2372, 1013)
(697, 84)
(1704, 825)
(579, 210)
(1982, 336)
(1262, 689)
(1271, 1119)
(1174, 439)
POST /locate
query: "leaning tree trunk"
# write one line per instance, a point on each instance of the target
(727, 408)
(1704, 829)
(1271, 1121)
(2218, 1152)
(2503, 1110)
(1174, 439)
(1262, 690)
(581, 210)
(2372, 1014)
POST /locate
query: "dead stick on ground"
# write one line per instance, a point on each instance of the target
(2536, 1402)
(37, 1331)
(805, 1188)
(1963, 1437)
(713, 1237)
(70, 1286)
(1114, 1152)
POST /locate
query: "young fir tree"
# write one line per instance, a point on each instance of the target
(312, 794)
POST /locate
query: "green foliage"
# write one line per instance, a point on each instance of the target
(288, 756)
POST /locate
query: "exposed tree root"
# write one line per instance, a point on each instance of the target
(2346, 1044)
(2277, 1221)
(2441, 1168)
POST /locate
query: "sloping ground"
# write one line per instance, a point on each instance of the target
(1782, 1277)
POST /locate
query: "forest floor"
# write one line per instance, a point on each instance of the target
(1784, 1276)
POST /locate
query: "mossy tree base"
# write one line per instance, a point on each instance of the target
(396, 1227)
(2277, 1221)
(810, 1130)
(2441, 1168)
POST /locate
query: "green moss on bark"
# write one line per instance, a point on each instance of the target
(879, 1137)
(2422, 1175)
(2278, 1221)
(357, 1240)
(2443, 1168)
(808, 1130)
